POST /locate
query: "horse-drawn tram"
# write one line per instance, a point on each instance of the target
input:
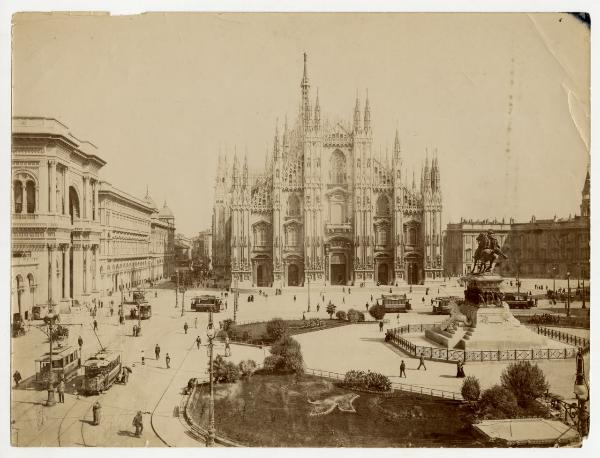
(65, 362)
(101, 371)
(206, 303)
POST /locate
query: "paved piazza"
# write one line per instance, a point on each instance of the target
(362, 347)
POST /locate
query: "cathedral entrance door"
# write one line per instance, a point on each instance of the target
(382, 274)
(293, 275)
(338, 269)
(413, 273)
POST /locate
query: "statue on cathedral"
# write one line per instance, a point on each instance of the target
(487, 253)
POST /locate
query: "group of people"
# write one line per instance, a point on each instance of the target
(460, 369)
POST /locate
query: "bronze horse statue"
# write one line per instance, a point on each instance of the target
(487, 253)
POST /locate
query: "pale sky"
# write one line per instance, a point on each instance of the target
(159, 94)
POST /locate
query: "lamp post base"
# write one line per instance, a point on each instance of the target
(50, 401)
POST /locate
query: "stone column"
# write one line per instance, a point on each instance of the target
(24, 197)
(84, 200)
(52, 289)
(77, 271)
(52, 186)
(96, 280)
(65, 192)
(87, 269)
(67, 272)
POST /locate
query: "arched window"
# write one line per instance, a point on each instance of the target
(383, 206)
(412, 236)
(292, 236)
(30, 190)
(73, 204)
(337, 171)
(293, 205)
(382, 236)
(18, 196)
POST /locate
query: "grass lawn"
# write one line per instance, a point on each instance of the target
(280, 411)
(257, 332)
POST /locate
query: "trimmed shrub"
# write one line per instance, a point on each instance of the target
(525, 380)
(353, 315)
(361, 316)
(330, 310)
(276, 329)
(371, 381)
(470, 389)
(247, 367)
(341, 315)
(498, 403)
(377, 311)
(286, 357)
(225, 371)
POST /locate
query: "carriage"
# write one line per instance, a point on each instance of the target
(395, 303)
(442, 305)
(101, 371)
(65, 362)
(206, 303)
(519, 300)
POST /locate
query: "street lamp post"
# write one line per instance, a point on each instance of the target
(582, 394)
(210, 333)
(50, 401)
(582, 288)
(308, 277)
(182, 300)
(177, 290)
(554, 280)
(568, 294)
(235, 301)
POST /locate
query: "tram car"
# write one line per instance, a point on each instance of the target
(65, 362)
(145, 311)
(442, 305)
(395, 303)
(206, 303)
(137, 297)
(101, 371)
(519, 300)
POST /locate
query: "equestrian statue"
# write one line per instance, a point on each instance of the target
(487, 253)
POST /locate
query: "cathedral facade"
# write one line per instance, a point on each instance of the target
(326, 209)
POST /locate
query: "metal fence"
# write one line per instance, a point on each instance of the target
(565, 337)
(394, 336)
(396, 386)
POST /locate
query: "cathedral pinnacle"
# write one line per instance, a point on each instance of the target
(367, 119)
(317, 118)
(357, 114)
(397, 144)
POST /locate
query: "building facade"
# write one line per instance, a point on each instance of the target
(202, 251)
(326, 209)
(540, 248)
(72, 234)
(461, 243)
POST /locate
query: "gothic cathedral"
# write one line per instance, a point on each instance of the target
(326, 210)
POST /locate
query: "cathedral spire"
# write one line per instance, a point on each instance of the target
(276, 140)
(305, 86)
(317, 118)
(357, 114)
(285, 132)
(367, 119)
(397, 145)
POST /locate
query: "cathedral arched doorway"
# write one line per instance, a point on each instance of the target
(338, 270)
(383, 274)
(293, 275)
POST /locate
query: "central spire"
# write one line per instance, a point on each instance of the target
(306, 114)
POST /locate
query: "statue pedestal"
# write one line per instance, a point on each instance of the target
(483, 321)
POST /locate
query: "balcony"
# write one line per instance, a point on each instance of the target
(40, 220)
(338, 229)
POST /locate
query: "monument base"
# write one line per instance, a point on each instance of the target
(484, 321)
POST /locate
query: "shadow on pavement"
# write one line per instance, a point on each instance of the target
(127, 433)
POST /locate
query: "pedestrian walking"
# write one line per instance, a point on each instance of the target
(318, 307)
(460, 371)
(95, 325)
(61, 391)
(97, 413)
(423, 299)
(398, 318)
(17, 378)
(198, 342)
(185, 327)
(367, 306)
(421, 363)
(168, 361)
(402, 369)
(80, 342)
(227, 347)
(196, 323)
(157, 352)
(381, 326)
(294, 298)
(112, 311)
(143, 358)
(138, 423)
